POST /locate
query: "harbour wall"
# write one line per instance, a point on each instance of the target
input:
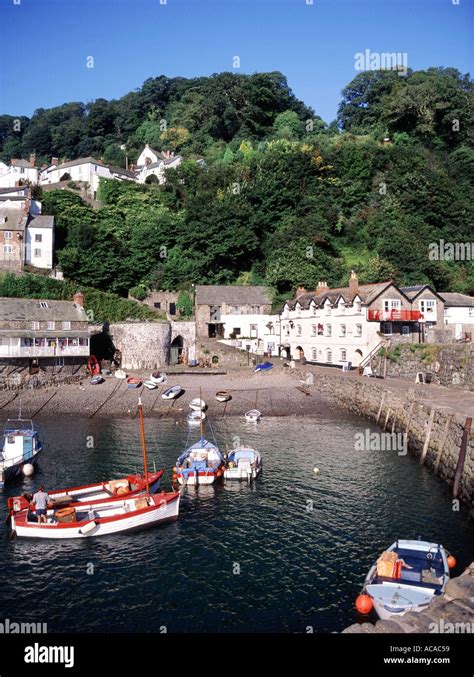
(434, 433)
(143, 345)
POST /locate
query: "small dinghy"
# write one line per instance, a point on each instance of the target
(119, 373)
(93, 366)
(253, 416)
(151, 385)
(243, 463)
(172, 392)
(133, 383)
(158, 377)
(406, 577)
(195, 417)
(265, 366)
(223, 396)
(97, 380)
(197, 404)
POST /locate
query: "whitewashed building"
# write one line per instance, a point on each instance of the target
(88, 170)
(19, 172)
(39, 242)
(459, 314)
(255, 332)
(152, 164)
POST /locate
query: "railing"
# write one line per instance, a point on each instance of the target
(394, 315)
(32, 351)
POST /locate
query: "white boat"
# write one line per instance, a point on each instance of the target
(195, 417)
(223, 396)
(120, 373)
(253, 416)
(158, 377)
(151, 385)
(418, 572)
(20, 450)
(103, 519)
(197, 404)
(243, 463)
(202, 463)
(172, 392)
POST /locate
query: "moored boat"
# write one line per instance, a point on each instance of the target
(97, 380)
(197, 404)
(93, 366)
(264, 366)
(195, 417)
(253, 416)
(172, 392)
(406, 577)
(20, 449)
(158, 377)
(133, 383)
(151, 385)
(120, 373)
(243, 463)
(223, 396)
(202, 463)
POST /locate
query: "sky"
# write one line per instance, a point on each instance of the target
(45, 44)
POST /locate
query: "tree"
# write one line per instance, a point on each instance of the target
(184, 304)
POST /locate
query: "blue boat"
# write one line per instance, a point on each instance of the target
(20, 449)
(201, 463)
(265, 366)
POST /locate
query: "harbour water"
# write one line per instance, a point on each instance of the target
(284, 554)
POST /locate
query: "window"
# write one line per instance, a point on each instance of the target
(320, 330)
(8, 235)
(471, 312)
(73, 342)
(172, 308)
(343, 357)
(43, 304)
(314, 354)
(405, 330)
(427, 306)
(328, 355)
(236, 330)
(253, 331)
(298, 329)
(50, 325)
(157, 304)
(314, 309)
(391, 304)
(343, 329)
(386, 328)
(7, 249)
(83, 341)
(66, 325)
(59, 361)
(37, 253)
(38, 237)
(358, 306)
(358, 330)
(328, 330)
(314, 330)
(255, 310)
(35, 325)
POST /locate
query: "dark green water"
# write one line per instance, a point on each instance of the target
(302, 542)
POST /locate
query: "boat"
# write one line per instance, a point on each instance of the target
(101, 518)
(93, 366)
(158, 377)
(195, 417)
(151, 385)
(101, 492)
(253, 416)
(133, 383)
(172, 392)
(223, 396)
(193, 363)
(97, 380)
(407, 577)
(264, 366)
(120, 373)
(243, 463)
(197, 404)
(20, 450)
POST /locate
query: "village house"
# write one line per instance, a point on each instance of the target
(231, 311)
(459, 315)
(43, 334)
(88, 170)
(349, 324)
(19, 172)
(151, 165)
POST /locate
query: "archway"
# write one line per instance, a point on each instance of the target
(300, 353)
(65, 177)
(176, 350)
(357, 357)
(151, 178)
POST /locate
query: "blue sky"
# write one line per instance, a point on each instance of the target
(48, 42)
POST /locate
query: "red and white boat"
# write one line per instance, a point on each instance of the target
(100, 519)
(126, 487)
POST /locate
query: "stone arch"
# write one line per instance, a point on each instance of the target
(357, 357)
(65, 177)
(177, 350)
(151, 179)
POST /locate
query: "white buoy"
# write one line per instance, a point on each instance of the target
(315, 470)
(28, 469)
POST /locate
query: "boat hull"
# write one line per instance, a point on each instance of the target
(12, 472)
(239, 474)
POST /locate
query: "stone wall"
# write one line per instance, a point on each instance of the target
(143, 345)
(187, 330)
(433, 432)
(450, 364)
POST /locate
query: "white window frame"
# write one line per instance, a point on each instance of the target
(51, 325)
(391, 304)
(8, 235)
(7, 249)
(427, 306)
(343, 330)
(358, 330)
(65, 325)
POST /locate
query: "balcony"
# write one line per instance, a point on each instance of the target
(395, 316)
(43, 351)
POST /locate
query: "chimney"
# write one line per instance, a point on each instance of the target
(78, 299)
(33, 159)
(322, 288)
(300, 291)
(54, 161)
(353, 283)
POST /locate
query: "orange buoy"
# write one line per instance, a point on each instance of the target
(451, 561)
(174, 476)
(175, 469)
(364, 604)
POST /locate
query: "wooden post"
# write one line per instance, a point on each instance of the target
(428, 435)
(462, 456)
(442, 442)
(410, 412)
(386, 419)
(381, 406)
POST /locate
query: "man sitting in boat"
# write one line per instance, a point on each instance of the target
(40, 500)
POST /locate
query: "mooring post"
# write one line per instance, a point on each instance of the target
(386, 418)
(410, 412)
(442, 443)
(381, 406)
(428, 435)
(462, 456)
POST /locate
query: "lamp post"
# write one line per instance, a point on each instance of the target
(247, 348)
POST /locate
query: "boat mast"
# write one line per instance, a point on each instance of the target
(201, 422)
(142, 430)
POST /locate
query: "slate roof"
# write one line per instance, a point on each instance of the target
(16, 219)
(121, 170)
(366, 292)
(21, 163)
(80, 161)
(15, 189)
(238, 295)
(20, 310)
(453, 300)
(42, 221)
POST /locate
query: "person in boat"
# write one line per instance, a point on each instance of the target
(40, 500)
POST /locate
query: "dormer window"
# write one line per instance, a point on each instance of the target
(3, 219)
(43, 304)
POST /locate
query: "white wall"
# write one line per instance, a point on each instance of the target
(46, 247)
(462, 315)
(260, 337)
(15, 174)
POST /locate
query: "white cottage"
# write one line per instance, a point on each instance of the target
(19, 172)
(152, 164)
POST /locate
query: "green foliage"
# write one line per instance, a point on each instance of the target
(185, 305)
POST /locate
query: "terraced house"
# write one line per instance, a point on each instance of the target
(43, 335)
(349, 324)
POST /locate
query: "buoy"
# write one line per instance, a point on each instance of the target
(364, 604)
(174, 476)
(28, 469)
(175, 469)
(315, 470)
(451, 561)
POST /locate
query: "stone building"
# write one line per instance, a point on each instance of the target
(216, 306)
(164, 301)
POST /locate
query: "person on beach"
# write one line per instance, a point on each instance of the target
(40, 500)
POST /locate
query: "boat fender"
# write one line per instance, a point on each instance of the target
(87, 528)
